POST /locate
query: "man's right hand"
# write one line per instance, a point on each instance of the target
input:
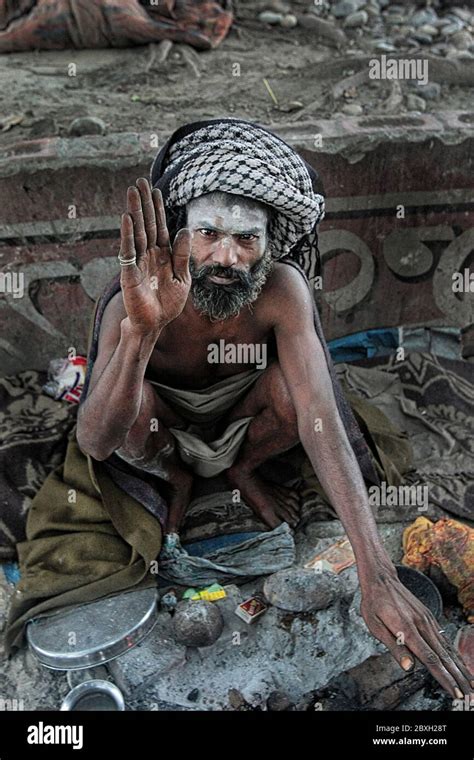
(154, 288)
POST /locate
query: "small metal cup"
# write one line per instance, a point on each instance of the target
(94, 696)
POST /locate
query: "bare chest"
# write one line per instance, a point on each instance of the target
(196, 353)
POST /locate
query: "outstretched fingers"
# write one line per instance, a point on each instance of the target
(148, 208)
(162, 235)
(134, 209)
(127, 255)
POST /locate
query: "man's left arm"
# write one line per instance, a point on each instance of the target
(391, 612)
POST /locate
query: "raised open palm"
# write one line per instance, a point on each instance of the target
(155, 277)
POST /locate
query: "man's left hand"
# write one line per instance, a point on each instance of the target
(408, 629)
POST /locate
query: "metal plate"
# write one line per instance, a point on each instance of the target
(93, 633)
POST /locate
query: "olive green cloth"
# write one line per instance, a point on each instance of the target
(86, 539)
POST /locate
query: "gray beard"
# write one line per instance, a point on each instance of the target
(221, 302)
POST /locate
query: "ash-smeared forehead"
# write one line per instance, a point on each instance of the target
(228, 213)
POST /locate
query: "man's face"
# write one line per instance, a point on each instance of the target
(230, 255)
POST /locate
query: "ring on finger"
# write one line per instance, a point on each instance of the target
(127, 262)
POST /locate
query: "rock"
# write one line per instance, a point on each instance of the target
(450, 29)
(289, 21)
(299, 590)
(463, 14)
(356, 19)
(428, 29)
(237, 700)
(415, 103)
(353, 109)
(270, 17)
(168, 601)
(461, 40)
(326, 30)
(197, 624)
(193, 695)
(422, 17)
(346, 7)
(46, 127)
(394, 18)
(423, 39)
(430, 91)
(381, 46)
(277, 5)
(86, 125)
(278, 701)
(371, 11)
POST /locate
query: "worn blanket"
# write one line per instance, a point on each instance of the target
(55, 24)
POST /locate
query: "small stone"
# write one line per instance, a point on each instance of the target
(415, 103)
(430, 91)
(384, 47)
(423, 39)
(394, 18)
(277, 5)
(428, 29)
(353, 109)
(301, 590)
(326, 30)
(346, 7)
(278, 701)
(270, 17)
(168, 601)
(289, 21)
(461, 40)
(463, 14)
(86, 125)
(197, 624)
(425, 16)
(43, 128)
(450, 29)
(371, 11)
(193, 695)
(356, 19)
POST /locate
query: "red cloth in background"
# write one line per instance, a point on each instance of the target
(57, 24)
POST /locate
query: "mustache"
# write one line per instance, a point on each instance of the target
(200, 274)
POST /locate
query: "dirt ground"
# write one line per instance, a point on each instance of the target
(266, 73)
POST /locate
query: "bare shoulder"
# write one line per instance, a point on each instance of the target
(286, 295)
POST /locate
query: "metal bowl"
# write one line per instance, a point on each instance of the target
(94, 633)
(422, 587)
(95, 695)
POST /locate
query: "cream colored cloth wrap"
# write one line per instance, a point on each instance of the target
(203, 409)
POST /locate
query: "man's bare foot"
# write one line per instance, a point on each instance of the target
(272, 503)
(178, 501)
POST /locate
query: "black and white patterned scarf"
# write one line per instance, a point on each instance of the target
(239, 157)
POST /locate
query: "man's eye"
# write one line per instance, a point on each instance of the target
(247, 236)
(207, 232)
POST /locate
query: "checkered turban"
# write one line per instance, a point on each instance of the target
(239, 157)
